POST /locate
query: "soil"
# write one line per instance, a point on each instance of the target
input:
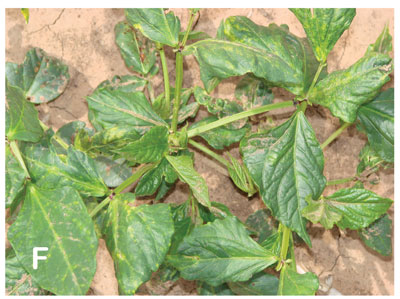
(84, 40)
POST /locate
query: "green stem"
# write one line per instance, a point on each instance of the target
(18, 156)
(293, 263)
(178, 87)
(151, 90)
(340, 181)
(335, 134)
(320, 68)
(209, 152)
(237, 116)
(166, 78)
(285, 241)
(134, 177)
(188, 29)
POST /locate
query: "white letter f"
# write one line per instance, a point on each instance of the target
(36, 257)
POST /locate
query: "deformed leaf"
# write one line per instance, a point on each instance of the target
(42, 78)
(321, 212)
(220, 251)
(378, 235)
(383, 43)
(151, 147)
(56, 219)
(15, 177)
(377, 120)
(113, 172)
(138, 239)
(324, 26)
(262, 222)
(271, 53)
(22, 121)
(287, 164)
(260, 284)
(292, 283)
(183, 165)
(253, 92)
(344, 91)
(370, 162)
(193, 35)
(127, 83)
(204, 289)
(110, 108)
(155, 24)
(138, 52)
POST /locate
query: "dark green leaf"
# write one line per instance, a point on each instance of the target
(41, 77)
(377, 120)
(287, 164)
(151, 147)
(220, 251)
(113, 172)
(260, 284)
(18, 281)
(292, 283)
(184, 167)
(111, 108)
(378, 235)
(324, 26)
(193, 35)
(138, 239)
(138, 52)
(22, 121)
(383, 43)
(204, 289)
(262, 222)
(344, 91)
(57, 219)
(15, 177)
(272, 53)
(155, 24)
(127, 83)
(348, 208)
(253, 92)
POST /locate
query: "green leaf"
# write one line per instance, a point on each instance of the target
(253, 92)
(377, 120)
(138, 239)
(220, 251)
(155, 24)
(151, 181)
(271, 53)
(151, 147)
(183, 165)
(68, 131)
(287, 164)
(22, 121)
(193, 35)
(111, 108)
(260, 284)
(25, 13)
(383, 43)
(204, 289)
(348, 208)
(220, 137)
(57, 219)
(49, 170)
(344, 91)
(113, 172)
(127, 83)
(138, 52)
(262, 222)
(41, 77)
(18, 281)
(324, 26)
(15, 177)
(378, 235)
(292, 283)
(241, 177)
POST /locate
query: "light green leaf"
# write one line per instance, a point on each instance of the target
(22, 121)
(253, 92)
(262, 222)
(220, 251)
(127, 83)
(184, 167)
(113, 172)
(260, 284)
(138, 52)
(42, 78)
(138, 239)
(377, 120)
(155, 24)
(324, 26)
(56, 219)
(18, 281)
(204, 289)
(321, 212)
(25, 13)
(111, 108)
(49, 170)
(287, 164)
(15, 177)
(383, 43)
(151, 147)
(292, 283)
(378, 235)
(344, 91)
(271, 53)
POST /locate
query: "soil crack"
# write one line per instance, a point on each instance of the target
(48, 25)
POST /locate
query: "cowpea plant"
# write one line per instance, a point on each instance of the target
(64, 189)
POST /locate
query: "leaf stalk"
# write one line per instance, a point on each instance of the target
(166, 78)
(209, 152)
(178, 87)
(335, 135)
